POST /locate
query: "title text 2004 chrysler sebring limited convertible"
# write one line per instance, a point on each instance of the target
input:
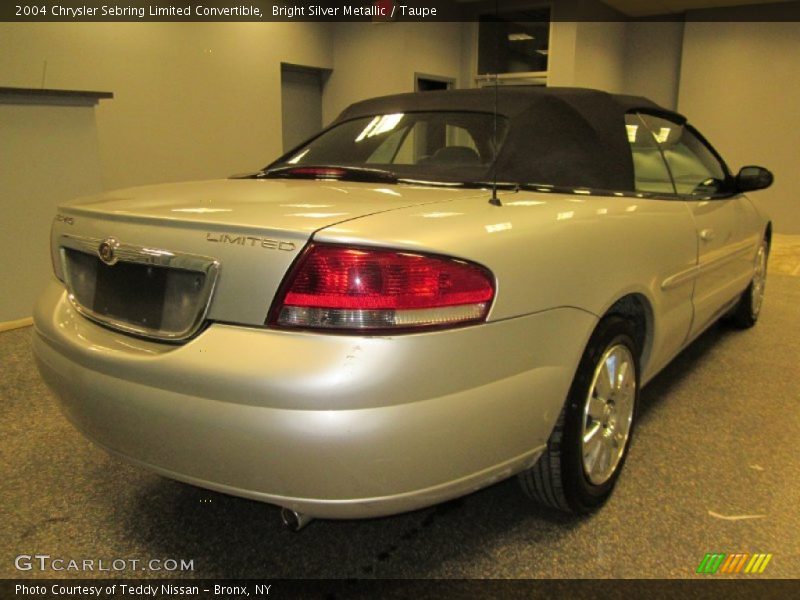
(362, 328)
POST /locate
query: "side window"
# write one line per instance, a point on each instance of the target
(649, 170)
(694, 168)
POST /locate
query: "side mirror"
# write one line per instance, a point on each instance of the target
(753, 178)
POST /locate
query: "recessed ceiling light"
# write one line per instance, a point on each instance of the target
(519, 37)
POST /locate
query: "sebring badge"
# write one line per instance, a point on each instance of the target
(107, 250)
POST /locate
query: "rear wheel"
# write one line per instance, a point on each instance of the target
(745, 313)
(587, 448)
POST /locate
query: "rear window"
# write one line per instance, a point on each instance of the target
(457, 146)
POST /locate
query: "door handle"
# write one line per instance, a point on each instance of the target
(707, 235)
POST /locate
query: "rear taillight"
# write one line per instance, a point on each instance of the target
(338, 287)
(317, 172)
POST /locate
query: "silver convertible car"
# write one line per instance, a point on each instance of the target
(435, 293)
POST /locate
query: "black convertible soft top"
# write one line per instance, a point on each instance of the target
(558, 136)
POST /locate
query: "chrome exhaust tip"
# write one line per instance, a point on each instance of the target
(294, 520)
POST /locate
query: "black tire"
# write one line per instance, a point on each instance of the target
(746, 312)
(559, 479)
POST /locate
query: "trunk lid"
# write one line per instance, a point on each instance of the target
(290, 205)
(251, 229)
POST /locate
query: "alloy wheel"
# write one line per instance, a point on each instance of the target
(759, 280)
(608, 413)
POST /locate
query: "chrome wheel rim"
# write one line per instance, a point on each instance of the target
(608, 413)
(759, 280)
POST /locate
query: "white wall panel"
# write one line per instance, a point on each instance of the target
(48, 155)
(740, 85)
(192, 100)
(376, 59)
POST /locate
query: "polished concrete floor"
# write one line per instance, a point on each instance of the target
(714, 468)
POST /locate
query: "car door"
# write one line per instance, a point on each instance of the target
(673, 283)
(723, 218)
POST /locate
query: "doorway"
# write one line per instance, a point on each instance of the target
(431, 83)
(301, 103)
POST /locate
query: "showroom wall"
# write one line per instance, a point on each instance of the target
(375, 59)
(48, 154)
(588, 53)
(192, 100)
(740, 82)
(652, 61)
(600, 55)
(641, 59)
(203, 100)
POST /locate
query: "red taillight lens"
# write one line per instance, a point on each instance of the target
(336, 287)
(318, 172)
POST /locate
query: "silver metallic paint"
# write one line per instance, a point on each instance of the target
(332, 426)
(355, 426)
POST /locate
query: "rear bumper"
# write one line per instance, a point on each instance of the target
(332, 426)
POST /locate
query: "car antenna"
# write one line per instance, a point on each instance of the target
(494, 200)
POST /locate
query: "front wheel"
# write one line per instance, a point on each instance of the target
(589, 443)
(745, 313)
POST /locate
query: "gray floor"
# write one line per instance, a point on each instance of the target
(718, 433)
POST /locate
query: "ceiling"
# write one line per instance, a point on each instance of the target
(643, 8)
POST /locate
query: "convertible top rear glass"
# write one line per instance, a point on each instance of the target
(435, 146)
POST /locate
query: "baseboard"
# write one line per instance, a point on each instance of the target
(9, 325)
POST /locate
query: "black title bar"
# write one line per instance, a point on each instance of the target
(356, 10)
(708, 587)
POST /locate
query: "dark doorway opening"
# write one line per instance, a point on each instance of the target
(431, 83)
(301, 100)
